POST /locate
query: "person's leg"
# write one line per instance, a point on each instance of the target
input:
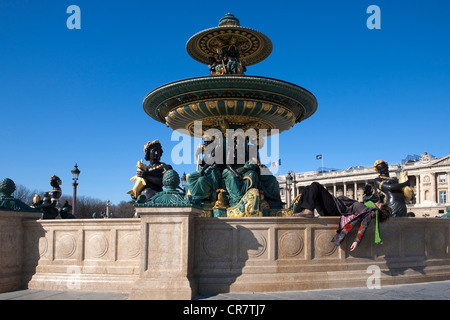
(325, 204)
(309, 200)
(315, 196)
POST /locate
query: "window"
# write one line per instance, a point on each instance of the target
(442, 197)
(442, 178)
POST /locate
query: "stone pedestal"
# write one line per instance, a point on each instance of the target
(100, 255)
(167, 250)
(171, 254)
(11, 248)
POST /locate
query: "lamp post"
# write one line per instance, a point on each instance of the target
(183, 181)
(75, 175)
(108, 209)
(289, 179)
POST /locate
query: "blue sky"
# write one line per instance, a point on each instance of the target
(75, 96)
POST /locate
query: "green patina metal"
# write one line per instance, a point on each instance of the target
(228, 99)
(257, 102)
(232, 100)
(8, 202)
(170, 196)
(253, 45)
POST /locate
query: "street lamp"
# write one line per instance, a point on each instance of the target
(183, 180)
(108, 209)
(289, 179)
(75, 175)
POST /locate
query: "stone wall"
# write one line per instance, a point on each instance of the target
(172, 253)
(278, 254)
(82, 254)
(11, 248)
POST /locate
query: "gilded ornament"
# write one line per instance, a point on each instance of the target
(377, 163)
(228, 99)
(248, 206)
(220, 203)
(407, 191)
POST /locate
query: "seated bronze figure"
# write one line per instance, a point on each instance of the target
(391, 187)
(149, 178)
(49, 203)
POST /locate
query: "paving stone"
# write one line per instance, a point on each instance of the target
(421, 291)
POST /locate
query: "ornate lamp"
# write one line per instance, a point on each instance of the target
(183, 182)
(75, 174)
(289, 179)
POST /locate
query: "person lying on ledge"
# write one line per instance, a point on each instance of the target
(315, 196)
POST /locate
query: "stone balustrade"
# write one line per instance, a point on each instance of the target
(279, 254)
(172, 253)
(82, 254)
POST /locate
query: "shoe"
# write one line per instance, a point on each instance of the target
(305, 213)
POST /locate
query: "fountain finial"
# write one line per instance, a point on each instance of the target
(229, 20)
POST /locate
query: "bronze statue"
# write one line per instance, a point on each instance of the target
(239, 176)
(395, 197)
(202, 185)
(50, 202)
(230, 168)
(370, 195)
(149, 178)
(212, 65)
(233, 60)
(208, 150)
(228, 62)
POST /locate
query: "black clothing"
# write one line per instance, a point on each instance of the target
(315, 196)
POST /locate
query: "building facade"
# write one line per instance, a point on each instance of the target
(429, 177)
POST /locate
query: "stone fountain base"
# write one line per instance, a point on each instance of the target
(172, 253)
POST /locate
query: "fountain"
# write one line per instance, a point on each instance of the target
(233, 113)
(171, 252)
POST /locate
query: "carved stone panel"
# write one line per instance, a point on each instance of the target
(65, 245)
(322, 247)
(391, 247)
(252, 243)
(291, 243)
(97, 244)
(128, 245)
(37, 245)
(415, 246)
(216, 243)
(437, 244)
